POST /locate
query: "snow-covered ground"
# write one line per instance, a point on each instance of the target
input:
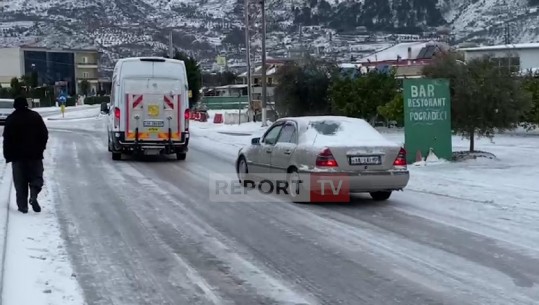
(37, 268)
(81, 112)
(47, 110)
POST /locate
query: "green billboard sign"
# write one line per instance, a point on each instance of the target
(427, 118)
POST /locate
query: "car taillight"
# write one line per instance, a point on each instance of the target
(187, 117)
(117, 117)
(401, 159)
(325, 159)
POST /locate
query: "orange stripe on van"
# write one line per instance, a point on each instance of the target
(164, 135)
(141, 135)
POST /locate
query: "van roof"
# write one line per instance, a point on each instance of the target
(149, 58)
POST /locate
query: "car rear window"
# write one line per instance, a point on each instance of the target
(346, 132)
(327, 128)
(6, 104)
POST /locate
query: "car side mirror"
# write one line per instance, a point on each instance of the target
(255, 141)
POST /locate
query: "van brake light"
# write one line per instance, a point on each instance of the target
(187, 116)
(117, 117)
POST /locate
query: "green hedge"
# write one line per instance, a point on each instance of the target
(96, 100)
(72, 101)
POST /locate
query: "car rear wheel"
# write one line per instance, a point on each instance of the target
(380, 196)
(181, 156)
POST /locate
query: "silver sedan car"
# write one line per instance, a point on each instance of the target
(6, 108)
(326, 144)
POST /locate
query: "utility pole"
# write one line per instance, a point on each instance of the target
(248, 56)
(170, 46)
(507, 33)
(264, 72)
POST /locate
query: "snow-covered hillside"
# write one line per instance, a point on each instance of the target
(487, 19)
(206, 28)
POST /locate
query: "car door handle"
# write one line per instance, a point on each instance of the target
(268, 151)
(287, 152)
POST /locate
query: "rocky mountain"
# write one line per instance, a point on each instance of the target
(209, 27)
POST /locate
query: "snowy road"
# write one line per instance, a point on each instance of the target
(144, 232)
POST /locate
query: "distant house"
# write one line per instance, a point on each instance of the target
(272, 65)
(519, 57)
(401, 71)
(408, 53)
(407, 58)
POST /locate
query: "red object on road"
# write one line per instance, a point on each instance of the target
(218, 118)
(203, 117)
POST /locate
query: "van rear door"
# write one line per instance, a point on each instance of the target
(153, 109)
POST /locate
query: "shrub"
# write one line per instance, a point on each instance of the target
(71, 101)
(96, 100)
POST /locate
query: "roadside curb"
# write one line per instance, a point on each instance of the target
(6, 187)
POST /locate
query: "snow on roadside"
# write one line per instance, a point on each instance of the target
(57, 109)
(228, 139)
(506, 183)
(75, 114)
(37, 267)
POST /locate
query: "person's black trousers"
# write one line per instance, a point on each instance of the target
(27, 175)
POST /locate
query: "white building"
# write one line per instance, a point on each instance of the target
(521, 57)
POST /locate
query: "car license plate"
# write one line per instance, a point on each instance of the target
(365, 160)
(152, 152)
(154, 124)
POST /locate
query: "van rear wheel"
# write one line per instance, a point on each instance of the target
(116, 156)
(181, 156)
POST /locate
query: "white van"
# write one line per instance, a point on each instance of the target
(149, 107)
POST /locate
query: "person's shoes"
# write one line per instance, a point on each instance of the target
(35, 205)
(24, 211)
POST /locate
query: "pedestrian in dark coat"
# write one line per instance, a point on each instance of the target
(25, 140)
